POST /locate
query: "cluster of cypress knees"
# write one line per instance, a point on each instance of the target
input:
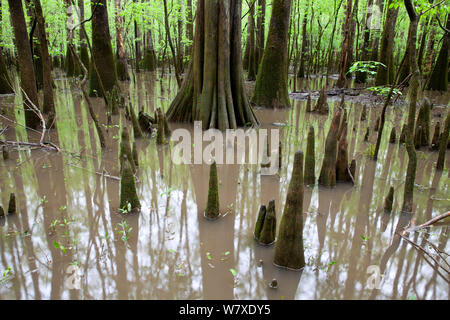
(289, 251)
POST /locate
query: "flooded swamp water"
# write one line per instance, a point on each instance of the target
(68, 239)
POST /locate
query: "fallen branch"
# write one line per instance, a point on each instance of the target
(428, 223)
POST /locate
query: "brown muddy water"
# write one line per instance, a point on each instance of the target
(67, 239)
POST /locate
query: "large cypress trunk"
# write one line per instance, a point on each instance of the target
(213, 88)
(25, 60)
(101, 51)
(271, 88)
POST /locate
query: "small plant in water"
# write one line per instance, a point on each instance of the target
(44, 200)
(369, 67)
(125, 232)
(57, 245)
(126, 209)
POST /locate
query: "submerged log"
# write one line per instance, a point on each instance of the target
(389, 200)
(436, 137)
(129, 200)
(269, 228)
(328, 172)
(322, 104)
(12, 204)
(310, 159)
(289, 251)
(212, 206)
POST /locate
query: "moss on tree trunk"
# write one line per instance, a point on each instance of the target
(271, 88)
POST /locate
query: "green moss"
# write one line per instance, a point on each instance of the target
(289, 251)
(212, 206)
(128, 194)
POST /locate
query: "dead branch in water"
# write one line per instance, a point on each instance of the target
(428, 223)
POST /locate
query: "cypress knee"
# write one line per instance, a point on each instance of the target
(422, 133)
(310, 159)
(289, 251)
(342, 169)
(269, 227)
(12, 204)
(212, 207)
(328, 172)
(436, 137)
(366, 136)
(125, 149)
(5, 153)
(403, 134)
(128, 194)
(389, 200)
(308, 103)
(322, 104)
(146, 122)
(260, 222)
(160, 129)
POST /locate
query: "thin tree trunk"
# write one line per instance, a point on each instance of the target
(25, 61)
(121, 65)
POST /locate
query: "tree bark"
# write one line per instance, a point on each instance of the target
(271, 88)
(213, 88)
(385, 75)
(25, 61)
(346, 53)
(439, 76)
(102, 54)
(48, 104)
(121, 65)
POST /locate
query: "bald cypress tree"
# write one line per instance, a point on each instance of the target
(213, 88)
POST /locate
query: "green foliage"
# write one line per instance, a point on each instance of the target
(384, 91)
(369, 67)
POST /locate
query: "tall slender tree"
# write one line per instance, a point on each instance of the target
(102, 54)
(25, 60)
